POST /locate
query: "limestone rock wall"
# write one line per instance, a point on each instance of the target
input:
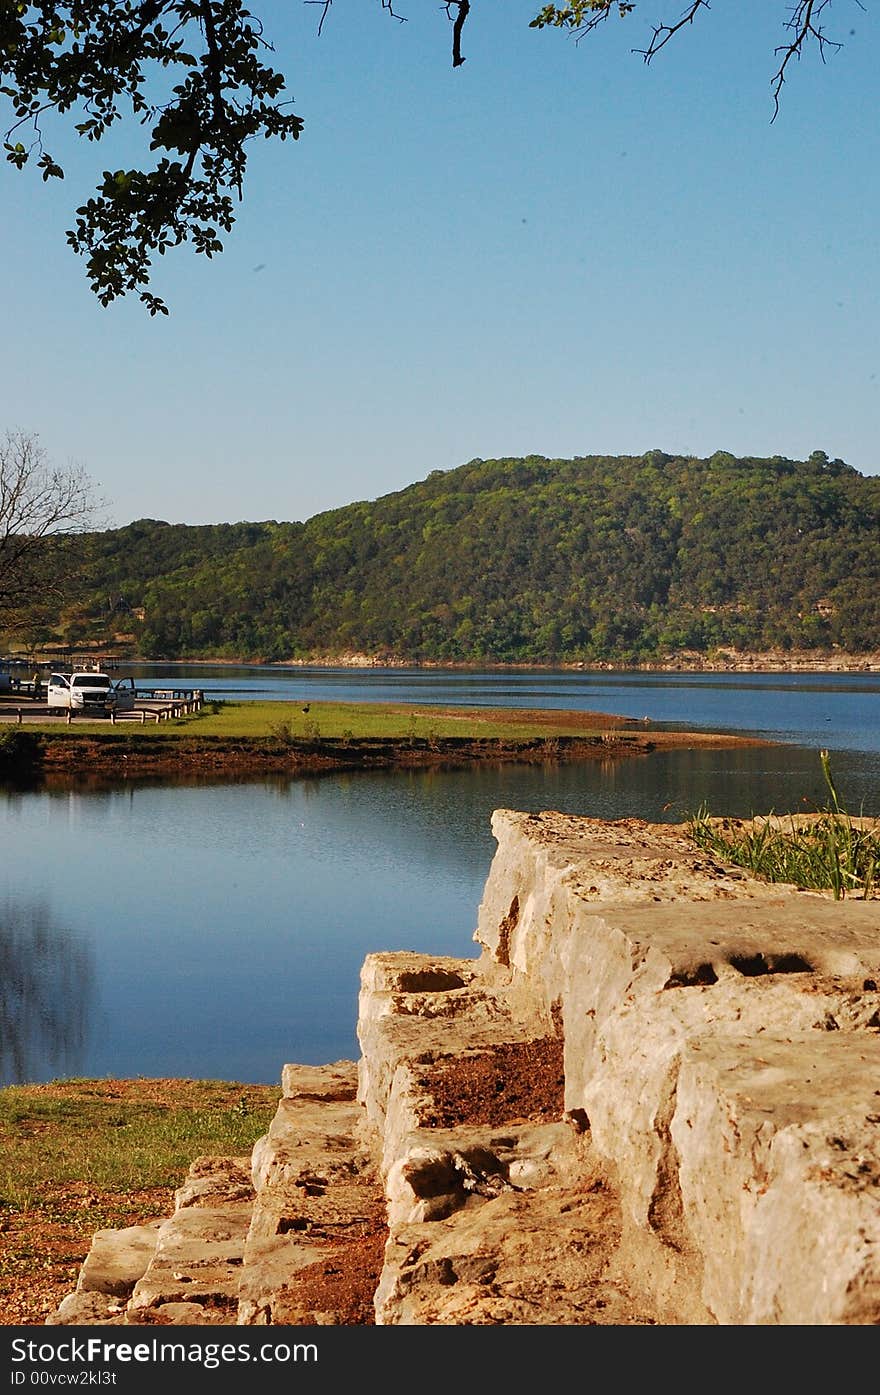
(722, 1045)
(652, 1096)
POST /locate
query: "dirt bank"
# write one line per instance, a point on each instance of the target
(124, 756)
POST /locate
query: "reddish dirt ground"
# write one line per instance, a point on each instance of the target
(514, 1081)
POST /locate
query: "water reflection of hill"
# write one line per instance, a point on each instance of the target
(47, 985)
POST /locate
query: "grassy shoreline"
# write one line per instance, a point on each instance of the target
(314, 737)
(292, 719)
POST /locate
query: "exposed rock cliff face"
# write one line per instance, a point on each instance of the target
(722, 1046)
(653, 1096)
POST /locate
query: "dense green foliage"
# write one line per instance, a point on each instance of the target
(529, 560)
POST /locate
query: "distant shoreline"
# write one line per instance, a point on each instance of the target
(722, 661)
(802, 661)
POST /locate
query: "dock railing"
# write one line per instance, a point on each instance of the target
(169, 702)
(156, 705)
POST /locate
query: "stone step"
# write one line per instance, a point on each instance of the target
(498, 1213)
(505, 1253)
(194, 1272)
(183, 1270)
(298, 1233)
(333, 1219)
(316, 1240)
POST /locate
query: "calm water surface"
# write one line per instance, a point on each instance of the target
(218, 930)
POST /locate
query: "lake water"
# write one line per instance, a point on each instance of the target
(217, 929)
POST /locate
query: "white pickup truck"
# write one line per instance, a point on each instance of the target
(90, 693)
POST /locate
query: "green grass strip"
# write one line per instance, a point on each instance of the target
(300, 721)
(120, 1144)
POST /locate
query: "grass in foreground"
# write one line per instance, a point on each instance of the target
(120, 1136)
(828, 851)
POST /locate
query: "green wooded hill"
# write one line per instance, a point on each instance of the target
(530, 560)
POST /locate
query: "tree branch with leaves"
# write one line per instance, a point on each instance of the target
(190, 72)
(193, 75)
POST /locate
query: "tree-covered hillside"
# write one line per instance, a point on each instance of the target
(528, 560)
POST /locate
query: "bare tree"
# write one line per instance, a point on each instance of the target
(41, 508)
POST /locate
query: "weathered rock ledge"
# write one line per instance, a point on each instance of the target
(652, 1097)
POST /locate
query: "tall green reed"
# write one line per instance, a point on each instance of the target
(831, 850)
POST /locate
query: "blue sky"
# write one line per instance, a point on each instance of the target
(553, 249)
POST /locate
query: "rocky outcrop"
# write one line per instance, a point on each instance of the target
(653, 1096)
(722, 1046)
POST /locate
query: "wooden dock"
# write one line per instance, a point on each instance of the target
(21, 705)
